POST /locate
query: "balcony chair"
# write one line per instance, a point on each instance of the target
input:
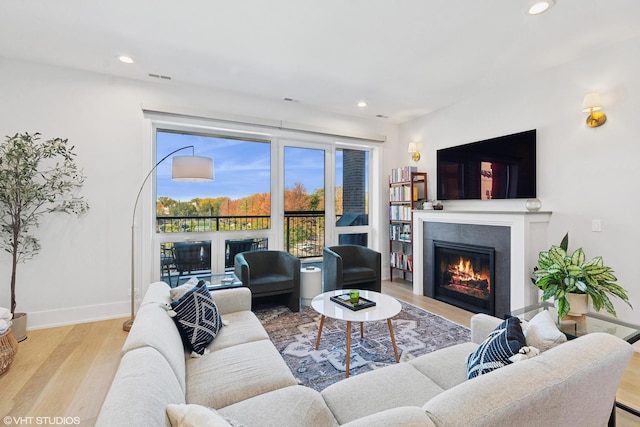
(234, 247)
(351, 267)
(191, 257)
(268, 273)
(167, 261)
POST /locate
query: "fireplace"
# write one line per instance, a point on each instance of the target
(464, 275)
(487, 247)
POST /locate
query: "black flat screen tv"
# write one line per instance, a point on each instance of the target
(497, 168)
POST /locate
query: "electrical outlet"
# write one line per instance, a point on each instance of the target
(596, 225)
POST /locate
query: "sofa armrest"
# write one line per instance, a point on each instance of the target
(232, 300)
(482, 325)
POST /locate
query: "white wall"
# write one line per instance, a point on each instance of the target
(82, 272)
(583, 173)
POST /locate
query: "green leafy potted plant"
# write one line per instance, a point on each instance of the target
(559, 274)
(36, 178)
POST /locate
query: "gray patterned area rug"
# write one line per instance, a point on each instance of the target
(417, 332)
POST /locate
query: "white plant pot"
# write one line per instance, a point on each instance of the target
(578, 304)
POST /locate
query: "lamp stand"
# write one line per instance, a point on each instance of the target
(126, 326)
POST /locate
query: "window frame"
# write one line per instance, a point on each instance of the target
(150, 253)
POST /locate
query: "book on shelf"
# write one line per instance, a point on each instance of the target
(400, 232)
(402, 174)
(400, 213)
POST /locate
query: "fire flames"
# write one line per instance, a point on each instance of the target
(462, 278)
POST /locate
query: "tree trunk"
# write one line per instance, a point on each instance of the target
(14, 264)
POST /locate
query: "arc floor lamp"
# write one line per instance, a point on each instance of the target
(183, 168)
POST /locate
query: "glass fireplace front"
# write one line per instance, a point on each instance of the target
(464, 276)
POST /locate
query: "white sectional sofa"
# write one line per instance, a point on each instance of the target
(245, 380)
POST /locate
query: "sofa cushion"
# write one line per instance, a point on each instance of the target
(153, 328)
(398, 385)
(157, 292)
(142, 388)
(197, 318)
(287, 407)
(504, 342)
(446, 367)
(177, 292)
(232, 300)
(542, 333)
(224, 377)
(189, 415)
(406, 416)
(240, 327)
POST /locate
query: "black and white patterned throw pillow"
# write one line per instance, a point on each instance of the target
(504, 342)
(197, 318)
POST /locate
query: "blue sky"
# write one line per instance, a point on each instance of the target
(241, 167)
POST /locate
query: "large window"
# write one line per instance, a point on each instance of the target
(272, 189)
(352, 195)
(239, 198)
(304, 214)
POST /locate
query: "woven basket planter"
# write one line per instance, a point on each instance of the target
(8, 350)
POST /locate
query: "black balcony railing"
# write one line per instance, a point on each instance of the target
(304, 233)
(303, 230)
(184, 224)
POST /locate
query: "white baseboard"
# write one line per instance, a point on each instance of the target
(75, 315)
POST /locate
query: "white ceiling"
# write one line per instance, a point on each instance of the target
(406, 58)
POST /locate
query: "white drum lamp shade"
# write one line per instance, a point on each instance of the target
(192, 168)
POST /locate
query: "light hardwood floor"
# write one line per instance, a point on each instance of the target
(62, 372)
(66, 371)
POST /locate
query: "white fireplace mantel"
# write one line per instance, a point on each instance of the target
(528, 238)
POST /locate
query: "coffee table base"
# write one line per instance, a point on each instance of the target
(348, 349)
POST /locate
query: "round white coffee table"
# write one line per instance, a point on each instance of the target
(386, 307)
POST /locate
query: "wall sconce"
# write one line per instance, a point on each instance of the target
(592, 105)
(413, 150)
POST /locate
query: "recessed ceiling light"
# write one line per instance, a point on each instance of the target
(540, 6)
(362, 104)
(126, 59)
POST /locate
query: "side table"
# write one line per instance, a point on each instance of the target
(310, 284)
(574, 327)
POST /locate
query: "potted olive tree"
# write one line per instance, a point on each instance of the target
(561, 276)
(36, 178)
